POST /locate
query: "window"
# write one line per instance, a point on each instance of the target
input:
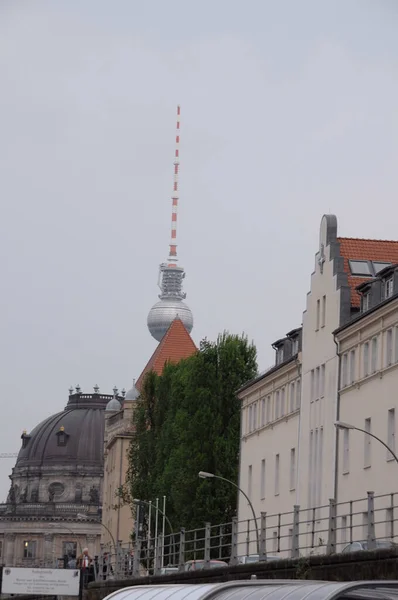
(268, 409)
(279, 355)
(254, 416)
(292, 396)
(295, 346)
(396, 345)
(249, 425)
(323, 320)
(277, 465)
(1, 548)
(29, 549)
(310, 468)
(379, 266)
(317, 374)
(360, 268)
(344, 530)
(250, 482)
(367, 444)
(352, 366)
(344, 370)
(388, 347)
(366, 359)
(365, 301)
(388, 287)
(277, 405)
(274, 541)
(389, 523)
(374, 355)
(298, 393)
(282, 402)
(312, 385)
(322, 382)
(391, 433)
(69, 549)
(262, 483)
(346, 451)
(292, 468)
(263, 412)
(365, 525)
(318, 314)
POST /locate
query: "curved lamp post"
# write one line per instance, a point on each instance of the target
(86, 518)
(205, 475)
(342, 425)
(137, 501)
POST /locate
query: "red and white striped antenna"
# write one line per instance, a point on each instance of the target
(174, 198)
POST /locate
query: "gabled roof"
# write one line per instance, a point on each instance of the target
(175, 345)
(362, 249)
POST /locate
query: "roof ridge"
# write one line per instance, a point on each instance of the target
(367, 240)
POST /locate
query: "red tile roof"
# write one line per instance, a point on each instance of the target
(175, 345)
(359, 249)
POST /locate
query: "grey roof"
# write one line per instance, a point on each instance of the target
(83, 424)
(262, 590)
(113, 405)
(132, 394)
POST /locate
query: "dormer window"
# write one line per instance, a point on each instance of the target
(388, 287)
(62, 437)
(365, 302)
(295, 346)
(279, 355)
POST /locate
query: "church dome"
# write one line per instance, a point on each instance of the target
(71, 437)
(113, 405)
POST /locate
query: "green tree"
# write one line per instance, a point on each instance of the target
(188, 420)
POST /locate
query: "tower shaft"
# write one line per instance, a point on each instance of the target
(175, 196)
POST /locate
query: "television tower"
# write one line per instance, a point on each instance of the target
(171, 304)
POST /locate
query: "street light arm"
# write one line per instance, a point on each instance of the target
(248, 500)
(379, 440)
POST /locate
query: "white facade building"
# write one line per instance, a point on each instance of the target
(337, 339)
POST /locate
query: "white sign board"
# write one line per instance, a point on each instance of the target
(41, 582)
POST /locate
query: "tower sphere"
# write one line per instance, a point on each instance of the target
(163, 313)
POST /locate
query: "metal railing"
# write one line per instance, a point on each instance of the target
(329, 529)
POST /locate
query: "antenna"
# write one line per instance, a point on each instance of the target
(174, 198)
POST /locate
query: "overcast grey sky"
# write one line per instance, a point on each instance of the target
(289, 110)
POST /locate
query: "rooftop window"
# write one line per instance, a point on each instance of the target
(361, 268)
(367, 268)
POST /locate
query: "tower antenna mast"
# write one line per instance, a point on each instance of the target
(175, 196)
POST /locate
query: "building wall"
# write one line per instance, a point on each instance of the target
(324, 308)
(117, 517)
(369, 383)
(268, 461)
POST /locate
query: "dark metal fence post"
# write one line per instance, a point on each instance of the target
(158, 562)
(234, 542)
(181, 560)
(371, 522)
(207, 544)
(137, 558)
(331, 547)
(296, 532)
(263, 537)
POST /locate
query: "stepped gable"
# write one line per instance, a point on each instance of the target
(175, 345)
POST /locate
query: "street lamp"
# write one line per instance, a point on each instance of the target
(342, 425)
(83, 517)
(137, 501)
(205, 475)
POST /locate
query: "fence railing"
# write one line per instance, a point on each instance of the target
(367, 523)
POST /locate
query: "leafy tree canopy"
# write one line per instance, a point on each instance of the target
(188, 420)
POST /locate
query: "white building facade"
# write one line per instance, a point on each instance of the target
(335, 322)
